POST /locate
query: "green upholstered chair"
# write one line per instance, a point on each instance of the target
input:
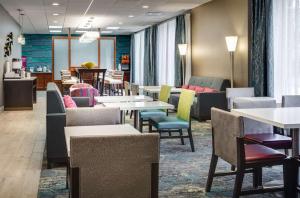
(177, 123)
(144, 116)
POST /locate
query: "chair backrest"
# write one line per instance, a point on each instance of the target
(84, 90)
(185, 103)
(127, 88)
(252, 126)
(55, 102)
(92, 76)
(165, 93)
(134, 89)
(232, 93)
(116, 166)
(92, 116)
(291, 101)
(226, 128)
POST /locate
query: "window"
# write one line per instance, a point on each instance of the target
(166, 53)
(286, 31)
(139, 46)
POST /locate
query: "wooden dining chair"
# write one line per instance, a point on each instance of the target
(176, 124)
(134, 89)
(229, 144)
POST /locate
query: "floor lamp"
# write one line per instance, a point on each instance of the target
(231, 42)
(183, 52)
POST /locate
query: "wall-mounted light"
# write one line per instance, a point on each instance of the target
(231, 42)
(182, 49)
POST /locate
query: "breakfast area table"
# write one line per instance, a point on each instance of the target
(284, 118)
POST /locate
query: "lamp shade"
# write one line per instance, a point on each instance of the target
(21, 39)
(182, 49)
(231, 42)
(89, 37)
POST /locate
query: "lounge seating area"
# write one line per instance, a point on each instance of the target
(150, 99)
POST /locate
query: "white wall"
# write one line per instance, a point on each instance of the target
(7, 25)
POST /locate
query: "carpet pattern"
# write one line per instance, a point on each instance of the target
(182, 172)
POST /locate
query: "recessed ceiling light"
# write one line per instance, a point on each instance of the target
(55, 14)
(55, 21)
(145, 6)
(55, 4)
(55, 31)
(55, 26)
(131, 16)
(113, 28)
(120, 23)
(106, 32)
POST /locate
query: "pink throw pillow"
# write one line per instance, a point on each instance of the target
(209, 90)
(69, 102)
(192, 87)
(199, 89)
(185, 87)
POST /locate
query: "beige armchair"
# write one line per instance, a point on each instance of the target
(93, 116)
(115, 166)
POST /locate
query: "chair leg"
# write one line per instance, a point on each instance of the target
(238, 183)
(150, 127)
(131, 113)
(182, 139)
(212, 170)
(290, 177)
(286, 152)
(257, 177)
(232, 167)
(141, 125)
(191, 139)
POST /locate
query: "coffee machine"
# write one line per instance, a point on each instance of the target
(13, 69)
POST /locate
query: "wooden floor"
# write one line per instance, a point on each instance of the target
(22, 141)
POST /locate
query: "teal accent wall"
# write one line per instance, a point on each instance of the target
(38, 49)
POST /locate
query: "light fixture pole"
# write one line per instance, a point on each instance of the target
(231, 42)
(183, 52)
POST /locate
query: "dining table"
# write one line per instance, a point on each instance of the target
(117, 99)
(139, 106)
(156, 89)
(284, 118)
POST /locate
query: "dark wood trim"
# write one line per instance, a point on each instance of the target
(154, 180)
(74, 181)
(250, 36)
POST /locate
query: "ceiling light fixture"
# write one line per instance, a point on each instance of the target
(55, 31)
(113, 28)
(55, 4)
(154, 13)
(120, 23)
(55, 26)
(89, 37)
(145, 6)
(81, 31)
(55, 14)
(21, 38)
(131, 16)
(55, 21)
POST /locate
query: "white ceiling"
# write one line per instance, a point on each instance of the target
(39, 13)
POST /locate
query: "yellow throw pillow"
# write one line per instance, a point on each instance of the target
(88, 65)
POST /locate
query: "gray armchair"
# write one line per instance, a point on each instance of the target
(58, 117)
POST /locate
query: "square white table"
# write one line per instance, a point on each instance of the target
(139, 106)
(285, 118)
(117, 99)
(99, 130)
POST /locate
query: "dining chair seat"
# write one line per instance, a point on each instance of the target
(254, 153)
(169, 123)
(271, 140)
(147, 114)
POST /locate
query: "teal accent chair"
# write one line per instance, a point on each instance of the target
(144, 116)
(176, 124)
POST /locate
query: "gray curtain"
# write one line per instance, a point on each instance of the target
(180, 38)
(261, 47)
(150, 56)
(132, 59)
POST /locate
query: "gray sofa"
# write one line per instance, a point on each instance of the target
(203, 103)
(58, 117)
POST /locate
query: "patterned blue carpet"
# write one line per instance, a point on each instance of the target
(182, 172)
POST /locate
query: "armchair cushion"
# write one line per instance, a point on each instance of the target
(256, 153)
(169, 123)
(69, 102)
